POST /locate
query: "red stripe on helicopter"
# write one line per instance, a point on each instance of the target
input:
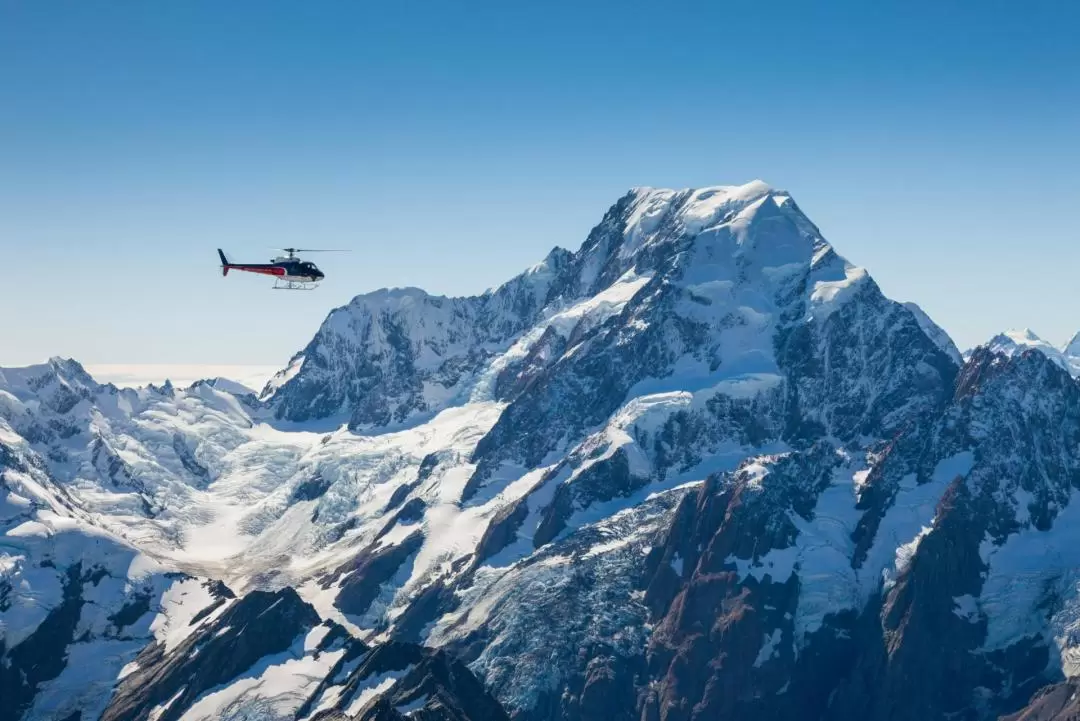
(263, 270)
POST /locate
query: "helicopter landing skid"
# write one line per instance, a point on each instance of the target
(293, 285)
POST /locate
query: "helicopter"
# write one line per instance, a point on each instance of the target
(288, 271)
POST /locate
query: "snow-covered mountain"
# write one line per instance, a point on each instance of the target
(701, 468)
(1013, 342)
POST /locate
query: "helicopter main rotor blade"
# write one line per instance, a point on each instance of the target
(314, 250)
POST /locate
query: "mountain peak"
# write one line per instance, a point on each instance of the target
(1025, 335)
(396, 354)
(1015, 341)
(395, 297)
(750, 190)
(63, 370)
(1072, 348)
(657, 218)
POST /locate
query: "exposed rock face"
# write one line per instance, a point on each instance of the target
(261, 624)
(390, 356)
(923, 645)
(370, 569)
(1060, 702)
(429, 685)
(268, 656)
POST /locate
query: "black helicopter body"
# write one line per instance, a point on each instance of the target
(288, 271)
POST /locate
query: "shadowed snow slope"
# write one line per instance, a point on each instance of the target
(700, 468)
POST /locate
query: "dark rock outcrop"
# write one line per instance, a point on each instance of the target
(430, 685)
(259, 624)
(251, 634)
(41, 656)
(371, 568)
(1060, 702)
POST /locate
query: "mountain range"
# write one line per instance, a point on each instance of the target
(700, 468)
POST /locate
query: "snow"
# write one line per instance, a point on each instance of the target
(39, 590)
(703, 210)
(529, 648)
(768, 647)
(37, 587)
(823, 549)
(87, 681)
(276, 687)
(605, 304)
(747, 386)
(643, 222)
(935, 333)
(1070, 353)
(127, 670)
(967, 607)
(708, 205)
(322, 600)
(1013, 342)
(407, 709)
(399, 533)
(331, 695)
(827, 582)
(828, 295)
(282, 377)
(372, 688)
(230, 386)
(907, 520)
(133, 375)
(906, 551)
(157, 711)
(537, 499)
(1028, 569)
(754, 473)
(590, 312)
(315, 637)
(1022, 501)
(179, 605)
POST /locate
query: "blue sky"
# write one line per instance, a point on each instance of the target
(451, 144)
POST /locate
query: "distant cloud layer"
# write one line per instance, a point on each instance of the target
(254, 377)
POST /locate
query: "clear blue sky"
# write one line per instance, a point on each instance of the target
(452, 144)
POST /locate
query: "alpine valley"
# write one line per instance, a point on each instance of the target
(700, 469)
